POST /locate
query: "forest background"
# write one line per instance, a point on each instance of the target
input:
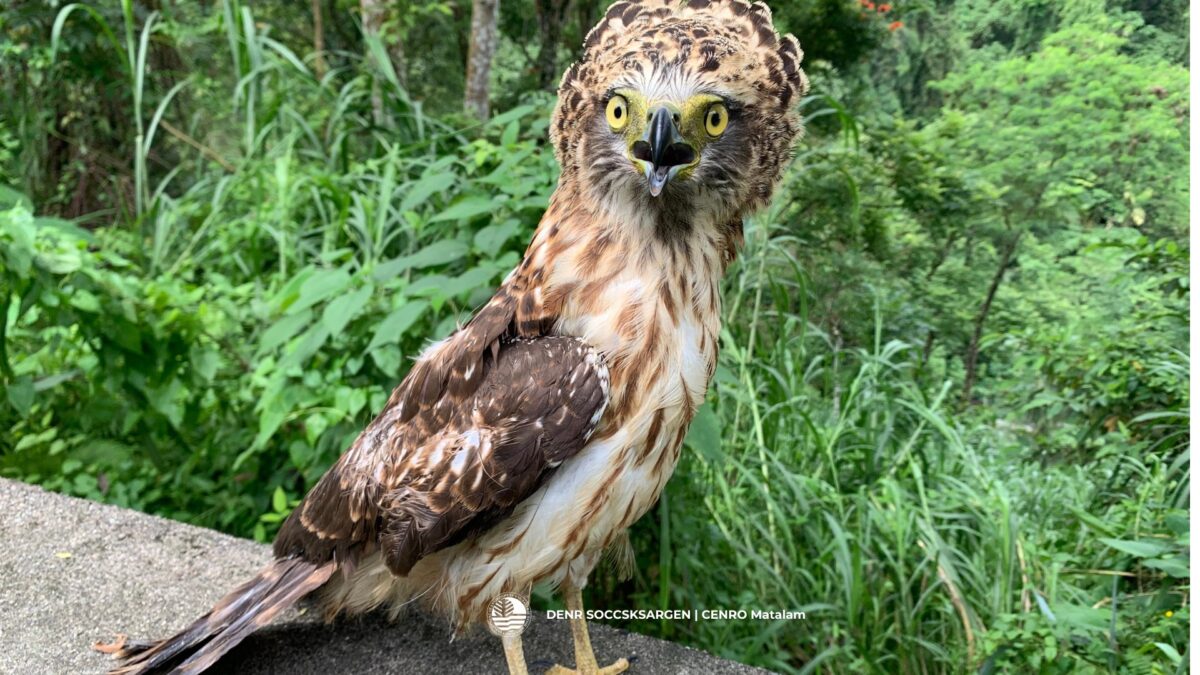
(950, 420)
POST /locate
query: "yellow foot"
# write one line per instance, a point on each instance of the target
(619, 666)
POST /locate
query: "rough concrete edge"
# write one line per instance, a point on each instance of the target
(192, 536)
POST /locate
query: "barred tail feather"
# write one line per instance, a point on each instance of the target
(247, 608)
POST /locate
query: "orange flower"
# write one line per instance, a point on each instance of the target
(885, 7)
(895, 26)
(868, 4)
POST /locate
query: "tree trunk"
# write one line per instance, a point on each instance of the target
(373, 13)
(972, 356)
(550, 14)
(484, 39)
(319, 65)
(374, 16)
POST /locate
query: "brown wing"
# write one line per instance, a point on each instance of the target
(454, 452)
(536, 407)
(341, 513)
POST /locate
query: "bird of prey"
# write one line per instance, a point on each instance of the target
(524, 445)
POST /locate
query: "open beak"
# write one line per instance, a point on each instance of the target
(662, 150)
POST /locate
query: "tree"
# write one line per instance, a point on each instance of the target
(375, 17)
(485, 36)
(320, 67)
(377, 20)
(1079, 135)
(550, 14)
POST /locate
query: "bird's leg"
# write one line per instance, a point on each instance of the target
(585, 658)
(514, 654)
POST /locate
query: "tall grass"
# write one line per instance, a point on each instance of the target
(836, 481)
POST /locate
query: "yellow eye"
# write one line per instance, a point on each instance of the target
(617, 113)
(716, 119)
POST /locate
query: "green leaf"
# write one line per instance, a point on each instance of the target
(1138, 549)
(279, 500)
(85, 301)
(20, 395)
(312, 341)
(205, 362)
(63, 261)
(342, 309)
(283, 330)
(1170, 652)
(1092, 521)
(430, 286)
(321, 285)
(505, 117)
(466, 208)
(170, 400)
(300, 453)
(64, 226)
(10, 198)
(1178, 523)
(489, 240)
(350, 400)
(387, 359)
(437, 253)
(425, 188)
(51, 381)
(314, 426)
(704, 436)
(1176, 567)
(474, 278)
(268, 423)
(509, 137)
(291, 290)
(1085, 618)
(392, 328)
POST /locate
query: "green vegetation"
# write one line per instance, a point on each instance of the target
(950, 418)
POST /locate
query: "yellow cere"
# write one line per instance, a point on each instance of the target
(701, 118)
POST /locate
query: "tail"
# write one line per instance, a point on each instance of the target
(249, 607)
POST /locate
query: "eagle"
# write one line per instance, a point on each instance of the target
(523, 446)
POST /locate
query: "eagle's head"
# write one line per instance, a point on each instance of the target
(680, 109)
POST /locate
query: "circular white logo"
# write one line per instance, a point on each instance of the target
(508, 615)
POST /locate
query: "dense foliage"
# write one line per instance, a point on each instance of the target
(950, 416)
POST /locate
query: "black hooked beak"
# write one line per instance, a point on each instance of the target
(663, 149)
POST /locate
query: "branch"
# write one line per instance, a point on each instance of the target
(204, 149)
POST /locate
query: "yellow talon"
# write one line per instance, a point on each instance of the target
(618, 666)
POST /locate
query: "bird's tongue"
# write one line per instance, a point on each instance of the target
(658, 179)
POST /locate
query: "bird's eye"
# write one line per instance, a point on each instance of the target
(617, 113)
(716, 119)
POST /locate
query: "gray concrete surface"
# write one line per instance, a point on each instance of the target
(73, 572)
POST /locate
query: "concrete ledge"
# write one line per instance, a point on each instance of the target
(76, 571)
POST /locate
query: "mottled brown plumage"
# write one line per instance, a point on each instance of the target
(459, 445)
(524, 445)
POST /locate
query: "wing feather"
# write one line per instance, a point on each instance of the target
(537, 405)
(484, 433)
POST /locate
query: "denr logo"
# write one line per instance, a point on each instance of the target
(508, 615)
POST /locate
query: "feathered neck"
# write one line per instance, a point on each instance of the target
(656, 232)
(583, 248)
